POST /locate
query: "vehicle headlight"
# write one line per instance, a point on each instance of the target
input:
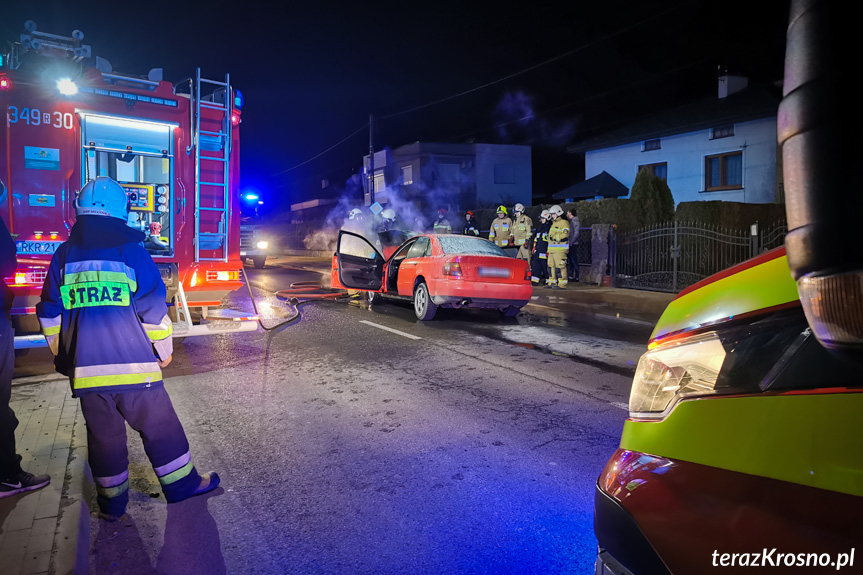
(263, 245)
(674, 371)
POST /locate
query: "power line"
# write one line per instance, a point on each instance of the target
(488, 84)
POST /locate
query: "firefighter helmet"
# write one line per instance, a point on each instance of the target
(388, 214)
(469, 213)
(102, 197)
(501, 210)
(556, 210)
(519, 208)
(354, 213)
(442, 211)
(544, 214)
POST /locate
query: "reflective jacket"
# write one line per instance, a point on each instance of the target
(558, 236)
(103, 309)
(540, 240)
(521, 229)
(471, 228)
(501, 228)
(442, 227)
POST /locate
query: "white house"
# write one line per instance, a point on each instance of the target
(719, 149)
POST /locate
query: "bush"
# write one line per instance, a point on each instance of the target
(730, 214)
(654, 199)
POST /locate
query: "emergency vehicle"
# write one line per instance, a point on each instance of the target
(174, 147)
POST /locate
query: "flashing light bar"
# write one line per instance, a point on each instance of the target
(251, 196)
(238, 99)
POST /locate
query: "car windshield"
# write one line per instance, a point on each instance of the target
(468, 245)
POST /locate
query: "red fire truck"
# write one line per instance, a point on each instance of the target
(174, 147)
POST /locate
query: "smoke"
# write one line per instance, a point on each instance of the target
(518, 122)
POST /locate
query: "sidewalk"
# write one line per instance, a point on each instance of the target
(39, 531)
(48, 531)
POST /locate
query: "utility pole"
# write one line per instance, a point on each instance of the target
(371, 160)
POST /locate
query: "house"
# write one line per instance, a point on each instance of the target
(718, 149)
(455, 176)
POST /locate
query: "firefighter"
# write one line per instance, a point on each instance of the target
(355, 222)
(501, 227)
(539, 261)
(471, 227)
(442, 225)
(558, 248)
(104, 315)
(13, 479)
(388, 221)
(522, 227)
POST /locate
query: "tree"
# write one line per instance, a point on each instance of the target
(653, 197)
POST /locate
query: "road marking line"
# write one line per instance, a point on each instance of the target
(623, 406)
(389, 329)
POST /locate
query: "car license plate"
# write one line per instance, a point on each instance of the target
(242, 253)
(493, 272)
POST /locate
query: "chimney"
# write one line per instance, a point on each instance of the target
(731, 85)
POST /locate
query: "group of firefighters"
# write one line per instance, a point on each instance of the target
(550, 248)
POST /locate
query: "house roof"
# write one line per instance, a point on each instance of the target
(604, 185)
(753, 103)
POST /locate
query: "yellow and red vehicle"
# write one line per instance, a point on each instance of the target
(742, 450)
(175, 148)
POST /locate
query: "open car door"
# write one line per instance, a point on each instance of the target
(361, 266)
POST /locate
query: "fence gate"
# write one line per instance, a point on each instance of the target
(673, 256)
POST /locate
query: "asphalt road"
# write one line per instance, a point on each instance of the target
(359, 440)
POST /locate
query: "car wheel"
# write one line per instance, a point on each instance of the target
(424, 307)
(259, 261)
(510, 311)
(373, 297)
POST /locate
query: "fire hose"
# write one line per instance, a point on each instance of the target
(300, 293)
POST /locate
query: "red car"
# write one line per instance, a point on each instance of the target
(434, 271)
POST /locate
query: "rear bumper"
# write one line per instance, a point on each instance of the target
(495, 295)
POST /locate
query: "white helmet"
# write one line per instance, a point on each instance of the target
(544, 214)
(556, 210)
(102, 197)
(388, 214)
(519, 208)
(354, 213)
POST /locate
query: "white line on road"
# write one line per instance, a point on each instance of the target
(621, 405)
(389, 329)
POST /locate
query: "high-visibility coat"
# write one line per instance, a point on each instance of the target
(442, 227)
(521, 229)
(558, 236)
(501, 230)
(103, 309)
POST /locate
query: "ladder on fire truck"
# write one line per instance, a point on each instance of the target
(219, 142)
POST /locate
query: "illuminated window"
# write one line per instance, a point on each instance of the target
(407, 175)
(723, 172)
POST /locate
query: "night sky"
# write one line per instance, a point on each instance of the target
(541, 74)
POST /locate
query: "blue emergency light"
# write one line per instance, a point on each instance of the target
(251, 196)
(238, 99)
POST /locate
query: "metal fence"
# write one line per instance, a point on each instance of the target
(670, 257)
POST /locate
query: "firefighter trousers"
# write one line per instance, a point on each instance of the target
(151, 414)
(557, 267)
(10, 461)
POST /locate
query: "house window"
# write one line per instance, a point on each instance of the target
(723, 171)
(504, 174)
(651, 145)
(723, 132)
(407, 175)
(659, 170)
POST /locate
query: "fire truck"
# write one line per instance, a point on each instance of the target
(174, 147)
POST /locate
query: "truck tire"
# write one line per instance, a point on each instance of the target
(259, 261)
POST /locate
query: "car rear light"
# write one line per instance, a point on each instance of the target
(834, 308)
(5, 83)
(452, 269)
(527, 275)
(223, 276)
(669, 373)
(26, 277)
